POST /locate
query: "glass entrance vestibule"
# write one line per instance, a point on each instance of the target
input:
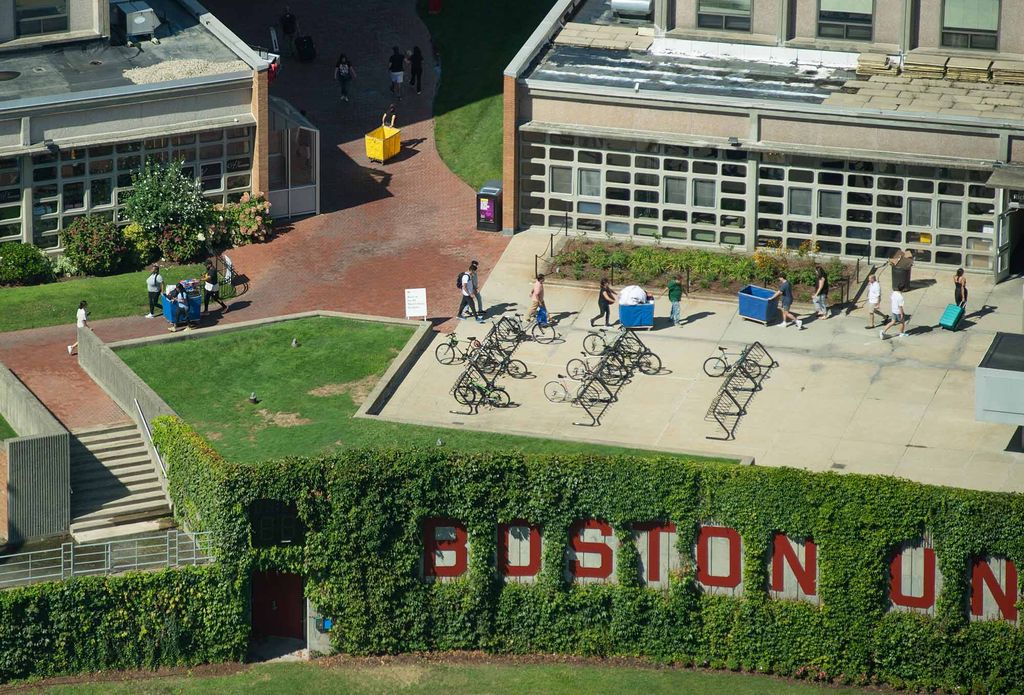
(701, 195)
(294, 162)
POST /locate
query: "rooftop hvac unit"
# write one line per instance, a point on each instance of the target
(135, 19)
(641, 8)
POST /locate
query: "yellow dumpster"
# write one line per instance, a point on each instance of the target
(383, 143)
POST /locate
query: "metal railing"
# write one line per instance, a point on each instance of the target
(549, 253)
(152, 552)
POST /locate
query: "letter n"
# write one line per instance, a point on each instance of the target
(805, 574)
(1005, 596)
(442, 536)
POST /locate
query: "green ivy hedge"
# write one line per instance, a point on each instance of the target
(364, 511)
(178, 617)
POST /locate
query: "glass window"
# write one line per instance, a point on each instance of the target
(675, 190)
(99, 191)
(590, 182)
(587, 157)
(646, 179)
(971, 24)
(800, 201)
(561, 180)
(920, 212)
(616, 176)
(830, 204)
(845, 19)
(704, 193)
(950, 214)
(732, 15)
(40, 16)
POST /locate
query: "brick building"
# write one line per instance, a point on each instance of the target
(860, 126)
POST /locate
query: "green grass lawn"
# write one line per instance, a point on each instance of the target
(308, 394)
(468, 679)
(56, 303)
(6, 432)
(477, 40)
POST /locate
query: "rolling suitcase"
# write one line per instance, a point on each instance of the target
(304, 48)
(951, 317)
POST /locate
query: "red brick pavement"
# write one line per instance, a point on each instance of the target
(408, 223)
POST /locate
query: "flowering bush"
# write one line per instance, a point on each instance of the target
(241, 223)
(143, 243)
(95, 245)
(169, 208)
(23, 264)
(182, 243)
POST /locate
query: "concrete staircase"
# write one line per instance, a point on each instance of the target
(115, 488)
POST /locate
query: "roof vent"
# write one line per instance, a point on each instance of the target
(134, 20)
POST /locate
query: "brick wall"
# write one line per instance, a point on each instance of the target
(260, 111)
(509, 161)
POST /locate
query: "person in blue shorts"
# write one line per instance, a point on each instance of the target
(785, 292)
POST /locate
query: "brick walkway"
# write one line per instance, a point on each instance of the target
(382, 228)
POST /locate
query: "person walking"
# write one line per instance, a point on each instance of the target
(416, 69)
(785, 292)
(480, 313)
(396, 68)
(960, 289)
(344, 73)
(536, 297)
(465, 285)
(821, 293)
(898, 315)
(81, 321)
(874, 299)
(289, 28)
(605, 299)
(155, 287)
(675, 295)
(211, 289)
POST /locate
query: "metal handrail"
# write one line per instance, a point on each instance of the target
(149, 438)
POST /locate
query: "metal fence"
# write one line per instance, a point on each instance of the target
(152, 552)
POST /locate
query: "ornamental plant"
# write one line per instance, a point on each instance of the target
(95, 245)
(169, 208)
(23, 264)
(242, 223)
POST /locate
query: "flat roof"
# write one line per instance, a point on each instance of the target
(185, 44)
(688, 74)
(1006, 353)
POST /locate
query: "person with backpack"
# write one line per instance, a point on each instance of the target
(464, 282)
(344, 73)
(155, 287)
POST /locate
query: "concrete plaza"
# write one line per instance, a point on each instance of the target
(840, 399)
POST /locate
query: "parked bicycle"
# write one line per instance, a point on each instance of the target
(450, 351)
(626, 345)
(720, 364)
(613, 369)
(561, 390)
(474, 393)
(513, 330)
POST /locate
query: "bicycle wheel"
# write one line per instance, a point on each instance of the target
(715, 366)
(615, 371)
(446, 354)
(594, 344)
(577, 369)
(555, 392)
(464, 395)
(498, 398)
(543, 333)
(517, 369)
(753, 369)
(649, 363)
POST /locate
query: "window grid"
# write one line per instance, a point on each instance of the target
(845, 20)
(10, 200)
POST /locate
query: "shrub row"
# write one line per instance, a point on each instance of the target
(178, 617)
(364, 512)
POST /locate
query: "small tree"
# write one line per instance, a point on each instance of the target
(169, 208)
(23, 264)
(95, 245)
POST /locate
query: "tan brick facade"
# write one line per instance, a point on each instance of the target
(260, 111)
(509, 160)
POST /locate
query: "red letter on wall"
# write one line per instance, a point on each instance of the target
(927, 598)
(600, 548)
(806, 574)
(533, 566)
(704, 576)
(654, 530)
(433, 547)
(1005, 596)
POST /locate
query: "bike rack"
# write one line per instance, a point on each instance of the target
(739, 387)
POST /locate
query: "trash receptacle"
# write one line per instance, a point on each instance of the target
(901, 265)
(488, 207)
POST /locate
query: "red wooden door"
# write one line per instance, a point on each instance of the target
(277, 605)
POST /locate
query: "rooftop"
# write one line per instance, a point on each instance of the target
(186, 49)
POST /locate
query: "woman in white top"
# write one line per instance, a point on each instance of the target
(82, 321)
(874, 299)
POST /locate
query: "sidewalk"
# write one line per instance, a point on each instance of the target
(409, 223)
(841, 399)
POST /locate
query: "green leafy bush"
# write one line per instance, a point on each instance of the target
(141, 242)
(364, 511)
(23, 264)
(169, 209)
(245, 222)
(96, 246)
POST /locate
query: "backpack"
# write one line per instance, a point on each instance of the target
(458, 281)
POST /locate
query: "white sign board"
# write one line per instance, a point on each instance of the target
(416, 303)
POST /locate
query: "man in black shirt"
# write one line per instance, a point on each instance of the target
(396, 68)
(289, 28)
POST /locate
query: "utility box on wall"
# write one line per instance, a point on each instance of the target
(488, 207)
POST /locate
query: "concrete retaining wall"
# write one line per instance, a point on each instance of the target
(117, 379)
